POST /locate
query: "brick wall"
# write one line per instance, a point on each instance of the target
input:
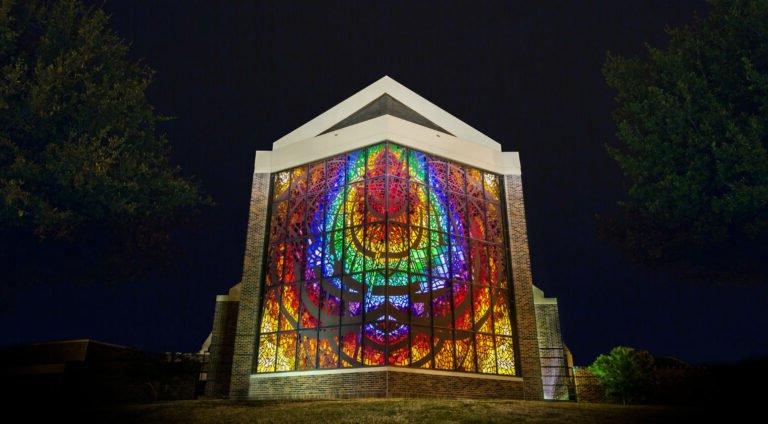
(382, 383)
(250, 295)
(221, 348)
(588, 388)
(525, 316)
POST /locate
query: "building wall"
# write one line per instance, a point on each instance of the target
(382, 382)
(250, 296)
(222, 348)
(529, 365)
(528, 349)
(528, 343)
(588, 387)
(554, 368)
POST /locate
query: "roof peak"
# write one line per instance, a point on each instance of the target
(385, 105)
(411, 107)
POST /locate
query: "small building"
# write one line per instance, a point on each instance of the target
(386, 255)
(85, 370)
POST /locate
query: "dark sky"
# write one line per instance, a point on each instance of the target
(239, 75)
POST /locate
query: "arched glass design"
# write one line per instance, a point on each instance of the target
(386, 256)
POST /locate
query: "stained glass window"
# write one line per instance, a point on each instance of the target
(386, 256)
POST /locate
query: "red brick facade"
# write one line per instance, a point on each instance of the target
(250, 295)
(588, 387)
(527, 337)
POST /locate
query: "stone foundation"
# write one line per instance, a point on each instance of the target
(383, 382)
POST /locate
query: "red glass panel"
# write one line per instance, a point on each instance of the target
(298, 182)
(397, 198)
(279, 220)
(289, 307)
(479, 256)
(481, 306)
(307, 353)
(476, 219)
(475, 183)
(421, 347)
(351, 346)
(310, 306)
(397, 161)
(456, 179)
(465, 352)
(462, 306)
(443, 349)
(328, 348)
(317, 181)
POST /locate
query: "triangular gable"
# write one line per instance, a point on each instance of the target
(385, 105)
(387, 86)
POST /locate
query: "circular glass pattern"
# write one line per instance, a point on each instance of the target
(386, 256)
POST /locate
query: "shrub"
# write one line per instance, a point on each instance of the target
(626, 373)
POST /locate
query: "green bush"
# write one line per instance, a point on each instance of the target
(626, 373)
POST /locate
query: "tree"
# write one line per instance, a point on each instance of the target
(625, 373)
(692, 124)
(86, 187)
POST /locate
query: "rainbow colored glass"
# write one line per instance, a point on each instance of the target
(386, 256)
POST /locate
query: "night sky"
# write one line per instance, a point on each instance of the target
(238, 76)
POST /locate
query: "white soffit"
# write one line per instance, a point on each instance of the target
(386, 85)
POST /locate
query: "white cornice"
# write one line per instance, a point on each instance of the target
(388, 128)
(386, 85)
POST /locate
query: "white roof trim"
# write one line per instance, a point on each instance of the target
(387, 128)
(386, 85)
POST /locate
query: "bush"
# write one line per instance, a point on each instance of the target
(626, 373)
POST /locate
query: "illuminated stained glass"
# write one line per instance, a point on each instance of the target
(267, 350)
(307, 352)
(486, 353)
(386, 256)
(465, 351)
(270, 310)
(328, 345)
(351, 346)
(421, 339)
(280, 186)
(442, 348)
(286, 351)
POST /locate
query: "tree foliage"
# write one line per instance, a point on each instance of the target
(85, 179)
(692, 122)
(625, 373)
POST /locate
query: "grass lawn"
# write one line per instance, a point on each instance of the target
(391, 411)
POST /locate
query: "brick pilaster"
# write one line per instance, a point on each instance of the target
(221, 349)
(250, 296)
(525, 315)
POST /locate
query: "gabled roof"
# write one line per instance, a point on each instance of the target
(386, 96)
(385, 105)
